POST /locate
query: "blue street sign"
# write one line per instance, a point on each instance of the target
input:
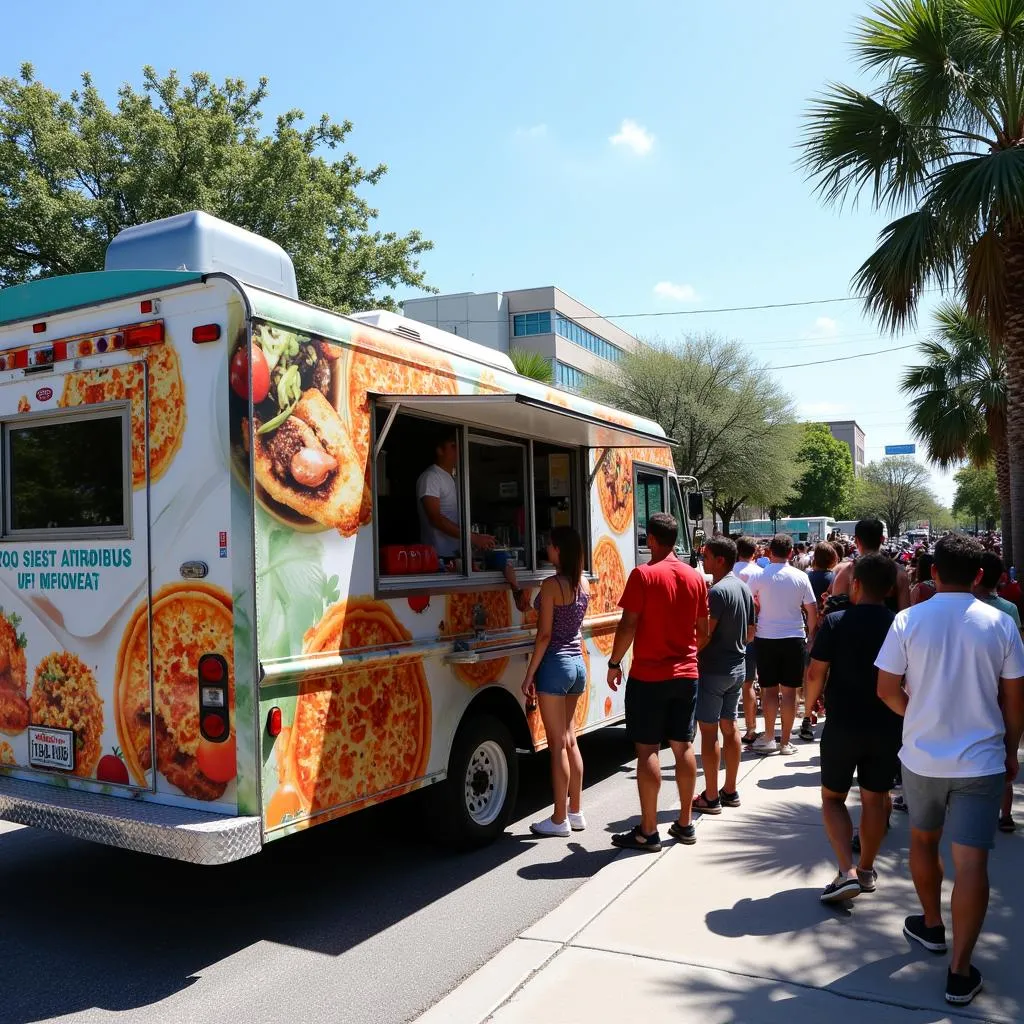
(900, 449)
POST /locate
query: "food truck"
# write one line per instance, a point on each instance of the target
(219, 623)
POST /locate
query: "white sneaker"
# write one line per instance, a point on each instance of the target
(548, 828)
(787, 750)
(763, 745)
(577, 822)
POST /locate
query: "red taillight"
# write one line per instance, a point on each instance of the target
(214, 726)
(38, 328)
(20, 359)
(211, 668)
(146, 306)
(144, 334)
(274, 722)
(208, 332)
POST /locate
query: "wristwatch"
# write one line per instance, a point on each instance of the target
(614, 664)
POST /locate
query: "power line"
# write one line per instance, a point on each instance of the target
(843, 359)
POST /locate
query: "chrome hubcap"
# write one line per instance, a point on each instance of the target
(486, 783)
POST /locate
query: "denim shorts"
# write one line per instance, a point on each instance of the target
(967, 810)
(561, 674)
(718, 696)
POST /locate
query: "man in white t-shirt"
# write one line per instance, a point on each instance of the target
(783, 596)
(437, 502)
(747, 568)
(954, 668)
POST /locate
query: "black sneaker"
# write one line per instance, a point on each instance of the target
(961, 990)
(635, 839)
(685, 834)
(806, 732)
(729, 799)
(839, 889)
(933, 939)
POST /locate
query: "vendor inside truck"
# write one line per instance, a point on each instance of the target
(437, 496)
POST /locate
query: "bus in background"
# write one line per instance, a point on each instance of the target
(808, 530)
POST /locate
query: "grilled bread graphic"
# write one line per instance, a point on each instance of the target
(307, 464)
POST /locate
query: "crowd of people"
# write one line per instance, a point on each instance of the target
(916, 669)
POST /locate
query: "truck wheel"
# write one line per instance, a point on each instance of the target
(475, 803)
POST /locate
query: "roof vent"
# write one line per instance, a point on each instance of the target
(206, 245)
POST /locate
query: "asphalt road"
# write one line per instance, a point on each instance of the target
(360, 920)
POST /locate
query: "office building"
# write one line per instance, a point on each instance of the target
(852, 436)
(580, 343)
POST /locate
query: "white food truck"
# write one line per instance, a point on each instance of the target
(218, 622)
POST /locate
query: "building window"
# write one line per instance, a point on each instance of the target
(572, 331)
(570, 378)
(526, 324)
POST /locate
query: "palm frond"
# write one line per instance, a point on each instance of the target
(852, 141)
(532, 364)
(913, 250)
(985, 283)
(975, 192)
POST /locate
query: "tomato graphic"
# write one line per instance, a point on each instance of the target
(217, 760)
(286, 802)
(112, 769)
(419, 603)
(239, 374)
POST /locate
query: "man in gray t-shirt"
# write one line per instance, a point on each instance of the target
(721, 659)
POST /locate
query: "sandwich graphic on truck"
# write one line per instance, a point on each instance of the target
(221, 618)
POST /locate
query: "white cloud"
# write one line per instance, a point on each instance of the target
(534, 131)
(676, 292)
(633, 137)
(826, 327)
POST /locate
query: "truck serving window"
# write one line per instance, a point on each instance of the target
(68, 474)
(649, 491)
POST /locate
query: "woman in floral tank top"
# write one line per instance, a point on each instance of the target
(556, 676)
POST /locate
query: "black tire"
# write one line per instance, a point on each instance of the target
(453, 820)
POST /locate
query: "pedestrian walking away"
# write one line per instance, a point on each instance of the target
(861, 735)
(992, 572)
(664, 608)
(953, 666)
(721, 659)
(747, 568)
(783, 596)
(556, 676)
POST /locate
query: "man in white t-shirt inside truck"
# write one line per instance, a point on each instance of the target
(783, 596)
(437, 501)
(954, 668)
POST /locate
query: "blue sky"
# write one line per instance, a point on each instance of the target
(642, 159)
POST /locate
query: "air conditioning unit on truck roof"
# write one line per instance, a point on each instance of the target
(221, 620)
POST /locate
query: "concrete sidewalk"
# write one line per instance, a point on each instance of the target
(731, 930)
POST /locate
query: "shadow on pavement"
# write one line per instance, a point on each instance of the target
(798, 781)
(792, 910)
(577, 863)
(87, 926)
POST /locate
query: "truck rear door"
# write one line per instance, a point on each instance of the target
(75, 674)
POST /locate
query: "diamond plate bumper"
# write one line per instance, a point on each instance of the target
(175, 832)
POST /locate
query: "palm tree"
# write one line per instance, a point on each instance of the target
(939, 143)
(958, 401)
(532, 364)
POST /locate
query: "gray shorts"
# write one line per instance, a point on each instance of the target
(966, 810)
(718, 696)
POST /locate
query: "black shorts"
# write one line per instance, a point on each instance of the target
(662, 712)
(872, 753)
(750, 663)
(780, 662)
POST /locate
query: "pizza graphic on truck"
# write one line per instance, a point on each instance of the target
(220, 619)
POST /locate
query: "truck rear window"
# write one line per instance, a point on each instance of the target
(68, 473)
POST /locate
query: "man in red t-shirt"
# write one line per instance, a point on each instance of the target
(664, 608)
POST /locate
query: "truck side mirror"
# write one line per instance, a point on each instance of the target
(695, 504)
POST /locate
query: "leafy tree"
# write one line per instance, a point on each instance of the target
(74, 172)
(958, 400)
(532, 364)
(733, 421)
(939, 143)
(976, 495)
(894, 490)
(827, 481)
